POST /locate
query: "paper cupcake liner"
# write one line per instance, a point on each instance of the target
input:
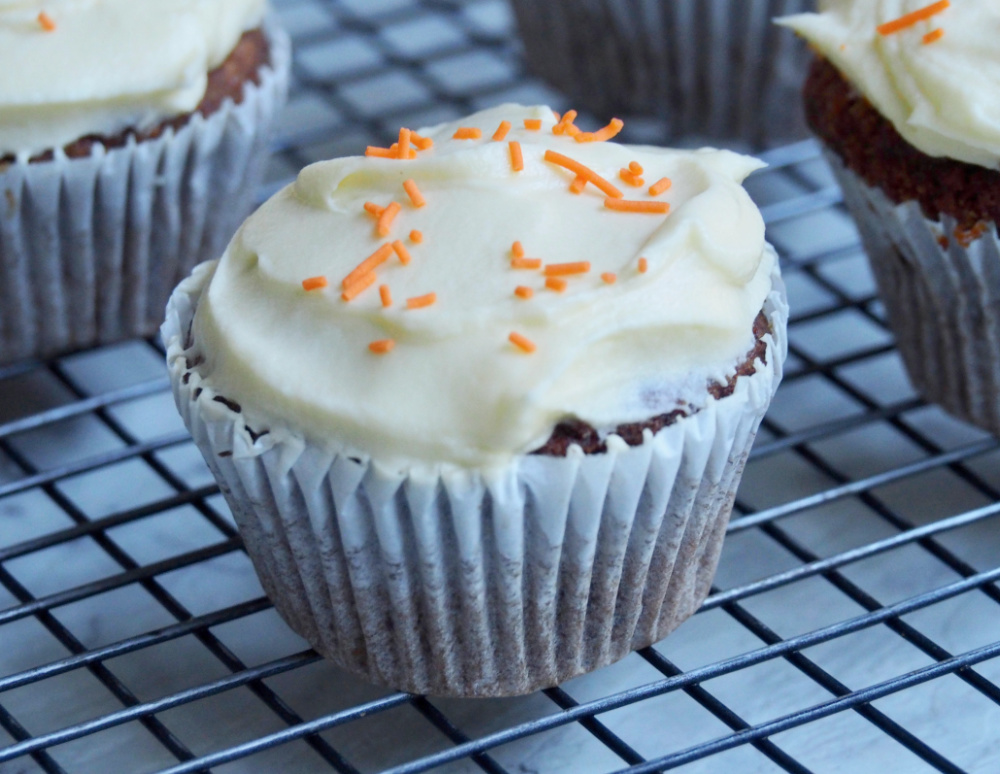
(90, 248)
(711, 69)
(476, 583)
(942, 294)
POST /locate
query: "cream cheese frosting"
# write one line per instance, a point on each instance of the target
(108, 65)
(942, 96)
(454, 389)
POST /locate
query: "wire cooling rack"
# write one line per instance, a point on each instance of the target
(855, 621)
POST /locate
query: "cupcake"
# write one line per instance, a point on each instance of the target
(903, 97)
(480, 401)
(132, 138)
(716, 70)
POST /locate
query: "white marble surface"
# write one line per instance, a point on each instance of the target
(950, 716)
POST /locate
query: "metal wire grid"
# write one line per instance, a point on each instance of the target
(854, 624)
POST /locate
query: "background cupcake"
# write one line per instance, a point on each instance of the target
(132, 138)
(480, 414)
(710, 69)
(904, 97)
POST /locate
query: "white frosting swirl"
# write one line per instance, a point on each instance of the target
(454, 389)
(942, 97)
(108, 65)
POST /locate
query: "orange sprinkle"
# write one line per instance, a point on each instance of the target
(909, 19)
(416, 236)
(933, 36)
(565, 269)
(532, 124)
(395, 153)
(590, 175)
(501, 131)
(314, 283)
(558, 284)
(631, 178)
(419, 302)
(643, 265)
(385, 219)
(578, 184)
(609, 277)
(635, 168)
(360, 284)
(516, 158)
(422, 143)
(368, 265)
(382, 153)
(467, 133)
(385, 294)
(410, 186)
(601, 135)
(522, 291)
(525, 263)
(517, 249)
(382, 346)
(403, 151)
(401, 252)
(522, 343)
(564, 123)
(46, 22)
(626, 205)
(373, 209)
(660, 186)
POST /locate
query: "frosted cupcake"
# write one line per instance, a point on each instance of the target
(480, 401)
(132, 138)
(904, 97)
(710, 69)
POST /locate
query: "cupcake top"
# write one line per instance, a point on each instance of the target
(70, 68)
(930, 68)
(451, 298)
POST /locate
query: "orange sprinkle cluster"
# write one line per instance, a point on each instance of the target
(909, 19)
(46, 22)
(522, 343)
(555, 275)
